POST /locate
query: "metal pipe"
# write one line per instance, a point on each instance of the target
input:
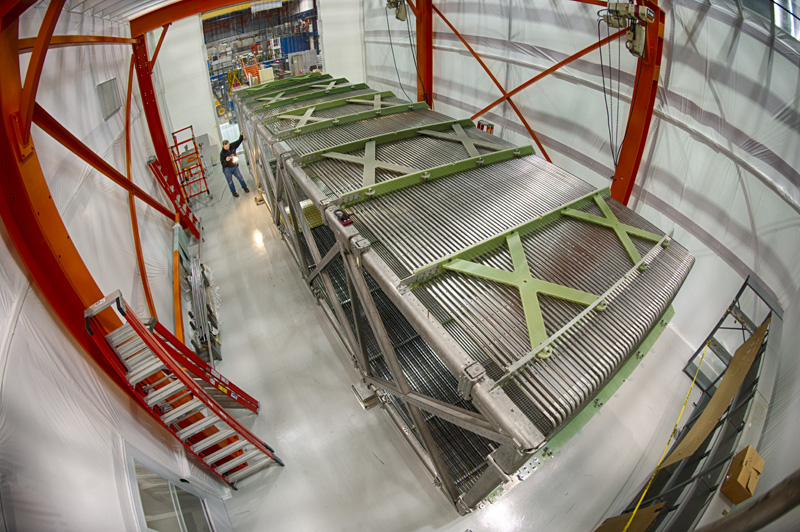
(760, 512)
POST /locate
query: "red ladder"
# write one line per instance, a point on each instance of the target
(188, 164)
(188, 219)
(178, 390)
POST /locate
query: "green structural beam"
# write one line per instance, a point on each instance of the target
(301, 112)
(470, 144)
(276, 95)
(398, 183)
(370, 163)
(280, 102)
(381, 139)
(622, 230)
(355, 117)
(529, 288)
(429, 271)
(288, 82)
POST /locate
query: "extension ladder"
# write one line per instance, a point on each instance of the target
(184, 394)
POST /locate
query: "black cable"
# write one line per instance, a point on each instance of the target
(605, 94)
(391, 46)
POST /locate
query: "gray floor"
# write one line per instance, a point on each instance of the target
(350, 470)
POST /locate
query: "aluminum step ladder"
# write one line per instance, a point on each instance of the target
(175, 387)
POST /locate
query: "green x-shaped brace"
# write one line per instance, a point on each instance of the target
(304, 119)
(370, 163)
(327, 87)
(461, 136)
(622, 230)
(275, 98)
(376, 102)
(529, 288)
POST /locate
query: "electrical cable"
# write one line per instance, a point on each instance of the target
(606, 95)
(394, 59)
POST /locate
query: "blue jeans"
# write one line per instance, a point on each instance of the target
(231, 171)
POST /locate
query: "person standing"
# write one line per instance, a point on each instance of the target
(230, 165)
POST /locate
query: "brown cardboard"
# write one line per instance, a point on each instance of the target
(743, 474)
(642, 522)
(731, 382)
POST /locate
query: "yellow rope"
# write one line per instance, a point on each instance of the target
(674, 429)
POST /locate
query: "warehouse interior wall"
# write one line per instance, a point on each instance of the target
(720, 164)
(341, 31)
(63, 423)
(181, 74)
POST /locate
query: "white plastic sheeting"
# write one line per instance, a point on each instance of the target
(341, 36)
(182, 73)
(62, 421)
(720, 165)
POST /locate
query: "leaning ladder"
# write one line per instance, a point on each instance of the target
(184, 394)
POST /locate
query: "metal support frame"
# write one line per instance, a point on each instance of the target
(32, 219)
(279, 94)
(466, 419)
(382, 139)
(529, 289)
(470, 144)
(623, 231)
(422, 176)
(288, 82)
(355, 117)
(497, 84)
(288, 197)
(61, 41)
(280, 100)
(158, 46)
(424, 14)
(305, 114)
(132, 200)
(373, 318)
(370, 163)
(53, 128)
(641, 108)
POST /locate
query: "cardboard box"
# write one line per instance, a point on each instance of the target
(740, 482)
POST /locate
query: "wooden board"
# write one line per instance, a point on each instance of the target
(728, 388)
(644, 519)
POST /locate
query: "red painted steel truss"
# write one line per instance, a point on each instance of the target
(642, 104)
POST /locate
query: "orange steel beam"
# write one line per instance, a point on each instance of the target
(153, 115)
(174, 11)
(35, 227)
(424, 15)
(641, 109)
(497, 83)
(12, 9)
(550, 70)
(158, 47)
(61, 41)
(132, 200)
(34, 73)
(593, 2)
(51, 126)
(412, 6)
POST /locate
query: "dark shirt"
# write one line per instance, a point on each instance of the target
(224, 154)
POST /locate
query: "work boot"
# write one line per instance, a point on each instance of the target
(246, 190)
(235, 194)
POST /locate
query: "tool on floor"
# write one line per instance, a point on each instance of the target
(184, 394)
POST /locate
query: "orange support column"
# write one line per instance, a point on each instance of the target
(424, 12)
(641, 111)
(34, 224)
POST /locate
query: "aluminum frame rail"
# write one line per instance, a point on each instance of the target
(484, 294)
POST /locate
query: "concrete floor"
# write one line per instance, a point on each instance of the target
(348, 469)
